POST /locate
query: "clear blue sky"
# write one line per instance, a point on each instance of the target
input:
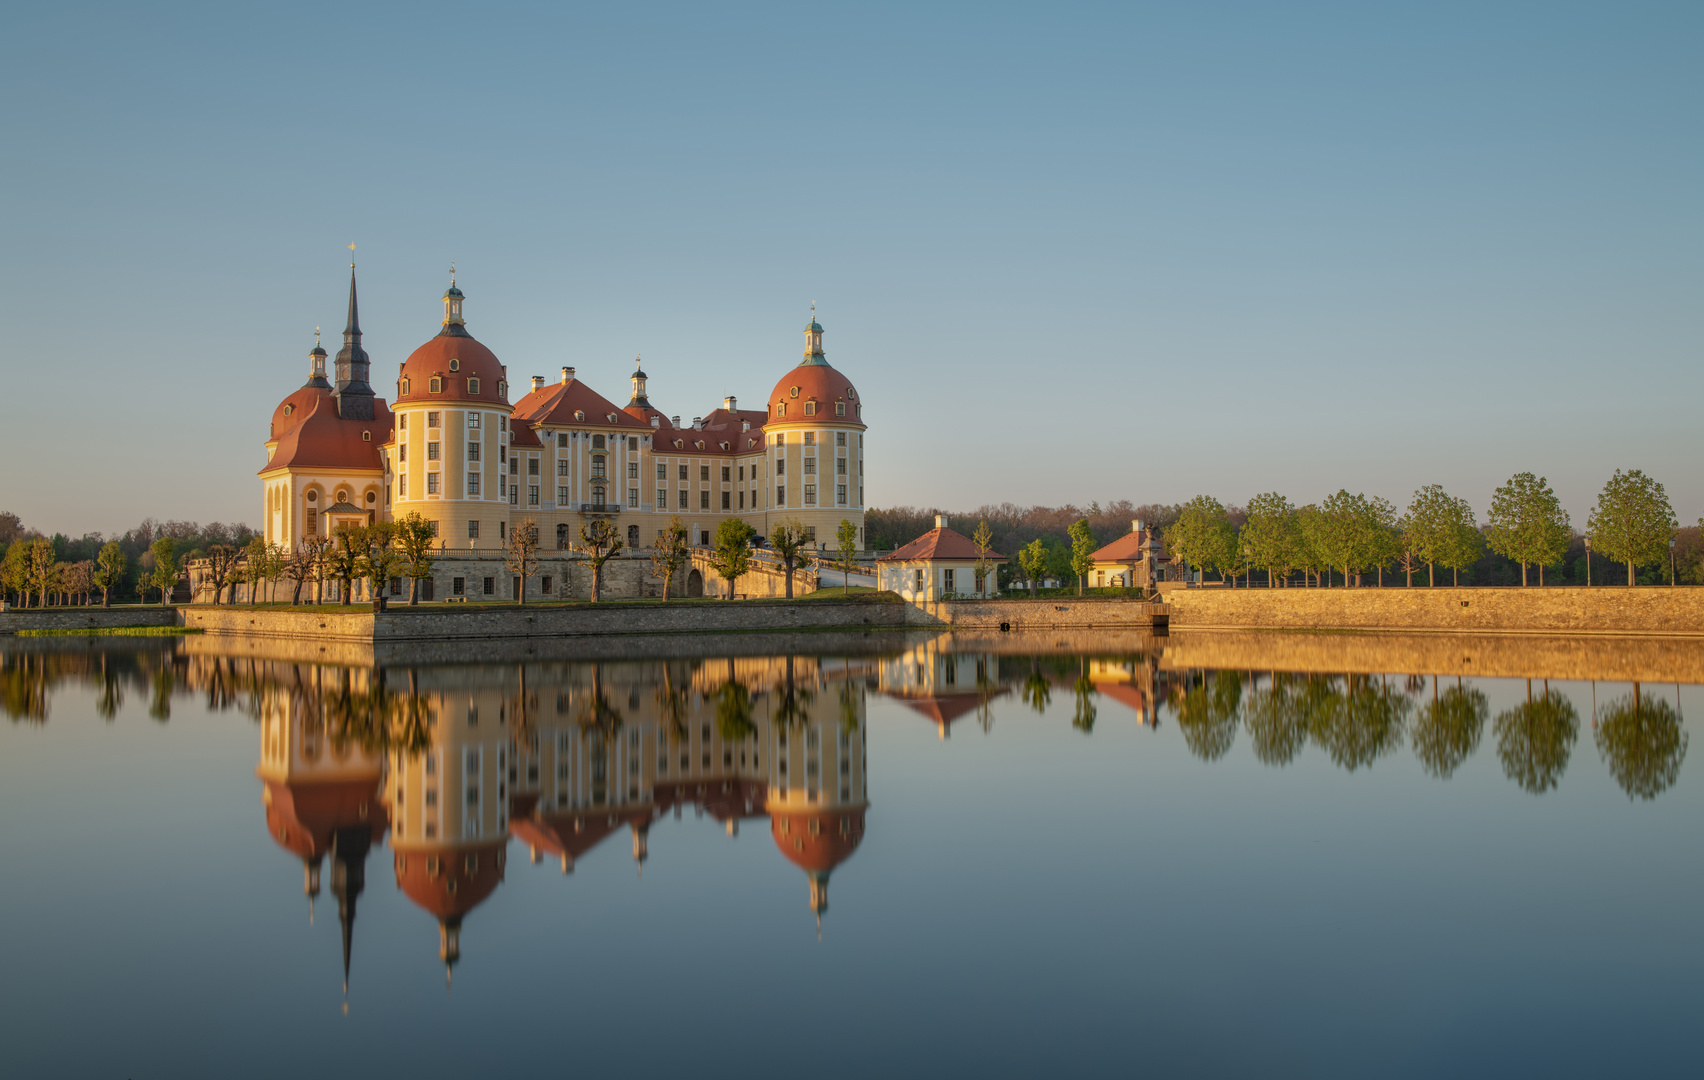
(1066, 252)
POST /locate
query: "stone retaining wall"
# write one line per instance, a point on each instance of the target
(85, 618)
(1039, 616)
(1564, 609)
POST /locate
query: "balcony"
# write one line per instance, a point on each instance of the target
(600, 508)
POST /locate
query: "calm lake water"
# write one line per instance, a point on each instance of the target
(905, 856)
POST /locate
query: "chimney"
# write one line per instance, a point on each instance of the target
(745, 425)
(697, 423)
(655, 420)
(567, 373)
(728, 403)
(1136, 526)
(940, 521)
(538, 382)
(676, 421)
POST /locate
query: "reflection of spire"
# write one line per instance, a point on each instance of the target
(311, 883)
(641, 851)
(819, 896)
(349, 849)
(449, 945)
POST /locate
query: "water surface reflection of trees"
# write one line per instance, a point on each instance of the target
(1535, 740)
(1642, 742)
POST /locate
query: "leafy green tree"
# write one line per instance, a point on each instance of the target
(1642, 742)
(846, 546)
(343, 557)
(1535, 740)
(1463, 542)
(257, 566)
(987, 562)
(41, 569)
(669, 553)
(416, 538)
(520, 556)
(1448, 728)
(1037, 691)
(1352, 532)
(1083, 717)
(1032, 557)
(1632, 521)
(165, 572)
(731, 556)
(1083, 548)
(1528, 524)
(1203, 536)
(110, 565)
(1271, 536)
(15, 571)
(787, 539)
(1311, 554)
(1384, 540)
(599, 543)
(380, 558)
(1431, 516)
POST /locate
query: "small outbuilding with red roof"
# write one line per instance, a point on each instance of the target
(937, 565)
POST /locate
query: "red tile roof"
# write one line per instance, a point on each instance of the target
(1124, 549)
(473, 361)
(323, 440)
(937, 544)
(821, 384)
(556, 405)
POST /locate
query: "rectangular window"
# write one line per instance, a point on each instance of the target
(633, 442)
(726, 498)
(402, 486)
(810, 494)
(402, 452)
(431, 483)
(840, 408)
(742, 473)
(396, 586)
(313, 521)
(780, 466)
(810, 466)
(780, 496)
(514, 466)
(431, 451)
(402, 421)
(840, 438)
(561, 466)
(473, 451)
(473, 530)
(431, 419)
(632, 470)
(472, 420)
(742, 500)
(683, 498)
(562, 440)
(947, 580)
(473, 483)
(490, 586)
(683, 472)
(532, 466)
(704, 539)
(458, 587)
(810, 438)
(703, 472)
(810, 408)
(597, 442)
(632, 496)
(544, 586)
(662, 498)
(703, 500)
(840, 494)
(532, 494)
(810, 534)
(840, 466)
(725, 472)
(561, 496)
(662, 471)
(515, 495)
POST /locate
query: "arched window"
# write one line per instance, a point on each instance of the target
(473, 386)
(598, 495)
(810, 408)
(437, 386)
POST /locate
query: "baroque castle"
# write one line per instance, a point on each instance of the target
(453, 448)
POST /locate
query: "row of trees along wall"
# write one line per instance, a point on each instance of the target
(1632, 526)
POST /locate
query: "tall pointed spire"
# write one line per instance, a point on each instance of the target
(354, 394)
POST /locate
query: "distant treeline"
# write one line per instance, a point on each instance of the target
(190, 540)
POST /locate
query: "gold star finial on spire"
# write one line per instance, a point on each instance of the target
(316, 337)
(351, 256)
(452, 271)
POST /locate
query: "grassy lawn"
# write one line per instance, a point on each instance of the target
(864, 592)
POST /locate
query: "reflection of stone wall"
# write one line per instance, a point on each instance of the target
(1525, 656)
(84, 618)
(1572, 609)
(1044, 616)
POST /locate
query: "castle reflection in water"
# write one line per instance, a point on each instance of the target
(453, 766)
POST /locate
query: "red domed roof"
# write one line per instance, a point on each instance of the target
(473, 361)
(814, 382)
(295, 408)
(321, 439)
(831, 843)
(450, 881)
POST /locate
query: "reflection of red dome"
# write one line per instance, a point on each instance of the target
(449, 881)
(817, 841)
(567, 836)
(302, 817)
(814, 382)
(473, 361)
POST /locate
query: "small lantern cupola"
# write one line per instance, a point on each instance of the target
(453, 321)
(316, 364)
(813, 343)
(639, 398)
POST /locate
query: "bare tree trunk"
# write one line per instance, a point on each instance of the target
(1430, 583)
(1629, 573)
(1523, 574)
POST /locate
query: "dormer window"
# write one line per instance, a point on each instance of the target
(402, 388)
(840, 408)
(455, 365)
(502, 388)
(288, 409)
(810, 408)
(794, 392)
(437, 385)
(699, 444)
(781, 409)
(366, 436)
(580, 414)
(612, 418)
(678, 444)
(723, 445)
(473, 386)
